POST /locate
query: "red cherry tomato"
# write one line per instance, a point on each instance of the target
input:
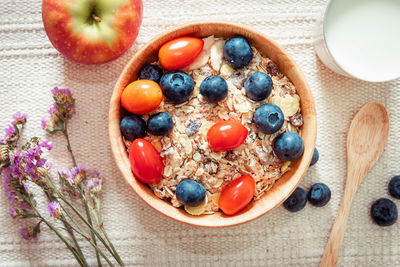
(180, 53)
(141, 96)
(226, 135)
(146, 163)
(237, 194)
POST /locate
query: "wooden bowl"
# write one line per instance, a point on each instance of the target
(268, 48)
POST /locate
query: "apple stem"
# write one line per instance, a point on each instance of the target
(96, 18)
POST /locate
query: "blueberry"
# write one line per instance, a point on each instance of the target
(296, 201)
(190, 193)
(176, 86)
(288, 146)
(160, 123)
(150, 72)
(132, 126)
(214, 89)
(238, 52)
(394, 187)
(384, 212)
(258, 86)
(268, 118)
(315, 157)
(319, 194)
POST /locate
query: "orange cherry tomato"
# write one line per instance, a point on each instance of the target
(226, 135)
(146, 162)
(141, 96)
(180, 53)
(237, 194)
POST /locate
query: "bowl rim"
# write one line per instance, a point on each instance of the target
(121, 157)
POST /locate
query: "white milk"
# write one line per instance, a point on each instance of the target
(364, 37)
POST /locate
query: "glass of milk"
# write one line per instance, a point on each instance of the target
(361, 39)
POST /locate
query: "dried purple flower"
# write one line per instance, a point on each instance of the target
(94, 185)
(10, 193)
(53, 109)
(46, 144)
(10, 130)
(62, 109)
(19, 118)
(79, 173)
(23, 212)
(29, 233)
(66, 175)
(44, 122)
(64, 92)
(54, 209)
(13, 213)
(4, 152)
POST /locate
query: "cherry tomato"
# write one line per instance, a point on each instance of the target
(146, 162)
(180, 53)
(141, 96)
(226, 135)
(237, 194)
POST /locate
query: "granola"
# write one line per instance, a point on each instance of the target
(185, 150)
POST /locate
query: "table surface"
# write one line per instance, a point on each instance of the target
(30, 67)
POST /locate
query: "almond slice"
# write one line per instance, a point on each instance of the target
(184, 140)
(202, 59)
(198, 82)
(217, 54)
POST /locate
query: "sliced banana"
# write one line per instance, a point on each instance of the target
(226, 71)
(217, 54)
(289, 105)
(195, 210)
(243, 107)
(285, 166)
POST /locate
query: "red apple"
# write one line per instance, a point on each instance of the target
(92, 31)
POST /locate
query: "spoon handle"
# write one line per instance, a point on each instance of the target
(332, 249)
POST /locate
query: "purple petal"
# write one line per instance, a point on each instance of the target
(18, 117)
(13, 213)
(54, 209)
(53, 109)
(44, 122)
(46, 144)
(10, 130)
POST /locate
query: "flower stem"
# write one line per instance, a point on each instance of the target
(111, 245)
(97, 213)
(86, 236)
(65, 132)
(51, 198)
(82, 218)
(82, 190)
(65, 240)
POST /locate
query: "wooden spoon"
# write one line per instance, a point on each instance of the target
(366, 140)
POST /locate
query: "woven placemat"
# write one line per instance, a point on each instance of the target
(30, 67)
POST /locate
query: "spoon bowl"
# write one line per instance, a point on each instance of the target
(366, 140)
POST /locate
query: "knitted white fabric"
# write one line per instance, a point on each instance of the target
(30, 67)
